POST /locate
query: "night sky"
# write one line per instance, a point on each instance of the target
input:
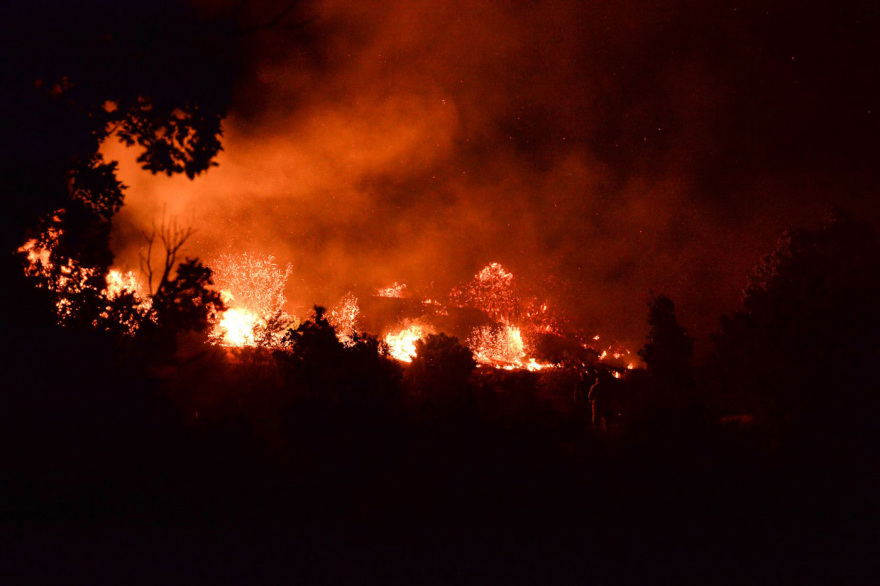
(621, 147)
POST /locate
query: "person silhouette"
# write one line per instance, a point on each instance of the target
(598, 398)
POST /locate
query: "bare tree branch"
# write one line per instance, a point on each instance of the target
(146, 259)
(172, 237)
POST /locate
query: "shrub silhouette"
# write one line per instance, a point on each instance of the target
(441, 369)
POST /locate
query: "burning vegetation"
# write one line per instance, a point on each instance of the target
(509, 330)
(402, 342)
(395, 290)
(114, 300)
(508, 333)
(344, 318)
(252, 287)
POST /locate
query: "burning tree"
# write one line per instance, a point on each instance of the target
(253, 287)
(498, 346)
(344, 318)
(84, 296)
(98, 73)
(402, 343)
(492, 290)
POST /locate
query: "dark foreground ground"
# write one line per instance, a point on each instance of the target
(105, 482)
(459, 504)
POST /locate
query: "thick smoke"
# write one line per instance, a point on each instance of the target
(619, 146)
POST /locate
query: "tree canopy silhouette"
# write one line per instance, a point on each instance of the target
(807, 335)
(153, 72)
(442, 366)
(156, 74)
(668, 351)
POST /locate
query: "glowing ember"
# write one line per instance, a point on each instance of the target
(402, 344)
(395, 290)
(37, 256)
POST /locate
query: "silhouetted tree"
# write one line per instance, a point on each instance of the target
(807, 336)
(187, 302)
(172, 237)
(373, 373)
(157, 74)
(312, 355)
(668, 351)
(314, 340)
(441, 368)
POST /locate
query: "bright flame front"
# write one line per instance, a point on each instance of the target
(402, 344)
(237, 328)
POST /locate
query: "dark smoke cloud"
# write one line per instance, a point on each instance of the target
(624, 147)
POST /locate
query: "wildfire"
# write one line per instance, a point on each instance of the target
(402, 343)
(238, 327)
(253, 289)
(254, 281)
(395, 290)
(119, 283)
(71, 281)
(502, 346)
(491, 290)
(344, 318)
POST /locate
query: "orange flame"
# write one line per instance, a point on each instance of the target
(238, 327)
(395, 290)
(502, 347)
(344, 318)
(253, 289)
(491, 290)
(402, 343)
(72, 279)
